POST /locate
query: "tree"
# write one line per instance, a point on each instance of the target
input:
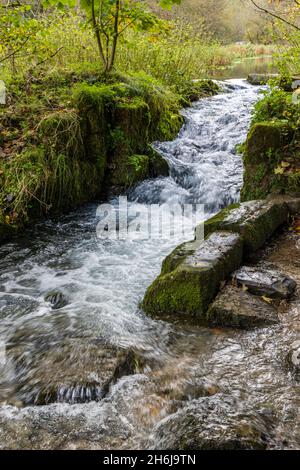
(289, 14)
(111, 18)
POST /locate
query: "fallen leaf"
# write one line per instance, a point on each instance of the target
(267, 299)
(279, 170)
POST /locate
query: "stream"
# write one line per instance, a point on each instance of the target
(102, 283)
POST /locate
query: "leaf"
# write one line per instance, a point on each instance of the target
(285, 164)
(244, 288)
(267, 299)
(279, 170)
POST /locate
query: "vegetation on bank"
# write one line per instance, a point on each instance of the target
(74, 126)
(69, 138)
(272, 149)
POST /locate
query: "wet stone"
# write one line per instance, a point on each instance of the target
(293, 358)
(237, 308)
(193, 284)
(256, 221)
(76, 371)
(211, 423)
(265, 282)
(62, 426)
(56, 299)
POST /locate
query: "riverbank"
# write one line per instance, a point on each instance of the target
(68, 139)
(67, 298)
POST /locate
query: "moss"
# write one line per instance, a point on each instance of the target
(190, 279)
(196, 89)
(132, 170)
(158, 166)
(255, 221)
(267, 145)
(83, 133)
(36, 182)
(172, 261)
(180, 293)
(215, 223)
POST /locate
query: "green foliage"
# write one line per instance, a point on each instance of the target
(109, 20)
(277, 105)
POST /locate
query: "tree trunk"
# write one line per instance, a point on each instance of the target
(98, 37)
(115, 38)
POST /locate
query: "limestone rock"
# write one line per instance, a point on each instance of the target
(211, 423)
(265, 282)
(76, 371)
(256, 221)
(191, 286)
(236, 308)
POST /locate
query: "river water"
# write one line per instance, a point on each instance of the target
(103, 282)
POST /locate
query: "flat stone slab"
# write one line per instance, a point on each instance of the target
(265, 282)
(236, 308)
(256, 221)
(194, 277)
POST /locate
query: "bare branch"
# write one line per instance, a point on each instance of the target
(274, 15)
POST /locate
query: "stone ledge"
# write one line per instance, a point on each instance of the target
(193, 284)
(256, 221)
(191, 275)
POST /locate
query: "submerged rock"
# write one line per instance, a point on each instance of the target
(75, 371)
(56, 299)
(192, 285)
(62, 426)
(238, 309)
(211, 423)
(293, 358)
(265, 282)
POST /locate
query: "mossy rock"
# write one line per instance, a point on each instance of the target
(269, 146)
(256, 221)
(130, 171)
(188, 290)
(158, 166)
(259, 79)
(265, 139)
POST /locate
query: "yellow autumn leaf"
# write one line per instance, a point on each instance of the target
(279, 170)
(285, 164)
(267, 299)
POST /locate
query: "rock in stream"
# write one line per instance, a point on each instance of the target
(236, 308)
(265, 282)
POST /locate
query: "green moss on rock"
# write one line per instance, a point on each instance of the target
(271, 151)
(256, 221)
(189, 289)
